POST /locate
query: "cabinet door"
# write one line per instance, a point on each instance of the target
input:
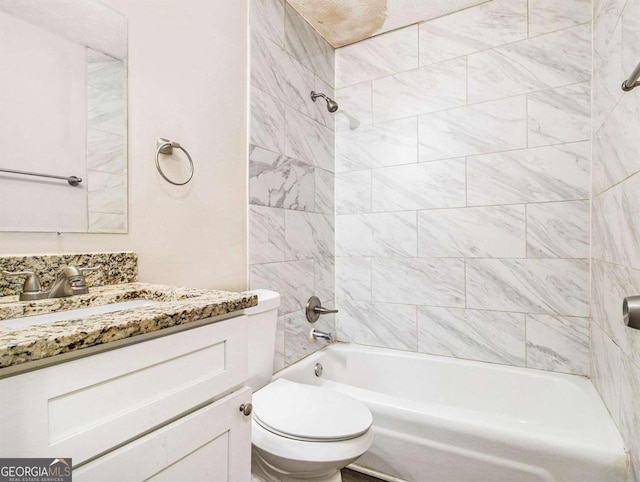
(88, 407)
(211, 444)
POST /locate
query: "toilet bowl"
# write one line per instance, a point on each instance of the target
(299, 432)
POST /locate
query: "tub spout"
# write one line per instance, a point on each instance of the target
(320, 335)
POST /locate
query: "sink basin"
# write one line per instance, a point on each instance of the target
(26, 321)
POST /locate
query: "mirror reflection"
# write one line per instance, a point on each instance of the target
(63, 112)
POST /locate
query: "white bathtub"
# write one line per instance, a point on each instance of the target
(438, 419)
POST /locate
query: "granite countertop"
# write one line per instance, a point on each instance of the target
(179, 306)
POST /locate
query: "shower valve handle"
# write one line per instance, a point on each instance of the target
(323, 311)
(315, 309)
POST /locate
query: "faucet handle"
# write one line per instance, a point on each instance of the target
(90, 269)
(31, 290)
(314, 309)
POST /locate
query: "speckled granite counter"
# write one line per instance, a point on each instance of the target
(179, 306)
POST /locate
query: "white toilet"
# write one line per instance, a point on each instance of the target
(299, 432)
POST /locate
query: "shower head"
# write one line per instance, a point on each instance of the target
(332, 105)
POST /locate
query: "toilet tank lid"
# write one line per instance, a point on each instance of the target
(267, 300)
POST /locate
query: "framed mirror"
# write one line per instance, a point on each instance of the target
(63, 112)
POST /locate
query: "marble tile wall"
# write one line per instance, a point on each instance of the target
(291, 172)
(463, 155)
(615, 229)
(106, 143)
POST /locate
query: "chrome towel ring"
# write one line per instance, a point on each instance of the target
(165, 146)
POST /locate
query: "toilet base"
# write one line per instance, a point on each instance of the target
(262, 471)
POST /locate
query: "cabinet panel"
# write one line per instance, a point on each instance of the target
(86, 407)
(212, 444)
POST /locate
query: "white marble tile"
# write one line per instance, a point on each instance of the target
(325, 191)
(538, 63)
(620, 282)
(547, 286)
(353, 279)
(630, 412)
(487, 232)
(558, 230)
(266, 128)
(597, 309)
(377, 56)
(296, 336)
(294, 280)
(472, 334)
(266, 234)
(355, 107)
(325, 276)
(277, 73)
(606, 370)
(630, 30)
(427, 89)
(606, 16)
(423, 281)
(559, 115)
(616, 146)
(107, 223)
(556, 173)
(353, 192)
(106, 152)
(630, 229)
(387, 144)
(106, 111)
(308, 140)
(489, 25)
(377, 324)
(606, 226)
(550, 15)
(475, 129)
(381, 234)
(607, 76)
(307, 46)
(558, 343)
(278, 358)
(278, 181)
(267, 19)
(308, 235)
(106, 73)
(106, 193)
(427, 185)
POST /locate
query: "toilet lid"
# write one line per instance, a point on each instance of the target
(305, 412)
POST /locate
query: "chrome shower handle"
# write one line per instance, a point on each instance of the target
(321, 310)
(314, 309)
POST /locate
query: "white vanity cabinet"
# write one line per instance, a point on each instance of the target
(166, 408)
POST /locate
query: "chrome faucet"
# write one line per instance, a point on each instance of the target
(70, 282)
(320, 335)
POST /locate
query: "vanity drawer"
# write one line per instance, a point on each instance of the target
(83, 408)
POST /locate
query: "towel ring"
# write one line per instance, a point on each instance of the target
(165, 146)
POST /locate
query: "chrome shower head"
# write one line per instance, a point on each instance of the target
(332, 105)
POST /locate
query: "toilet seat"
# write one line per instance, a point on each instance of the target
(308, 413)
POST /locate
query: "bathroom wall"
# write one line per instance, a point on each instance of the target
(463, 185)
(291, 171)
(188, 80)
(615, 349)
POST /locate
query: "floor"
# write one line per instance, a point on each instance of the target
(351, 476)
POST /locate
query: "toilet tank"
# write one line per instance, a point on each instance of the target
(263, 322)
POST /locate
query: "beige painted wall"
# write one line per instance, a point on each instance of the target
(187, 81)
